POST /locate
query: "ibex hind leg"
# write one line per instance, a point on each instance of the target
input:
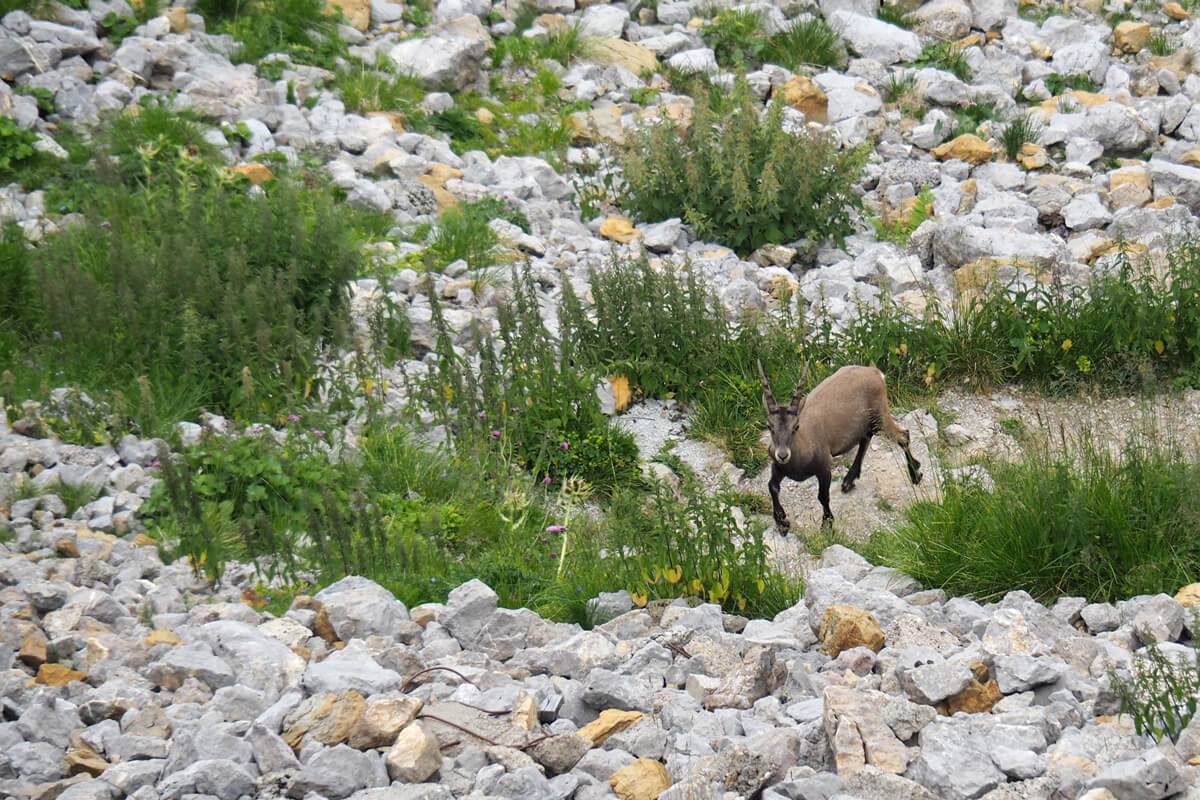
(856, 467)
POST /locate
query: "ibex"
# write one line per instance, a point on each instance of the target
(846, 409)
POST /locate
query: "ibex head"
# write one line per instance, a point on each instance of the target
(782, 421)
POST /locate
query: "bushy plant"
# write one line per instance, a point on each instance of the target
(1161, 690)
(899, 229)
(529, 398)
(1160, 44)
(735, 36)
(740, 178)
(16, 145)
(1074, 521)
(1056, 83)
(464, 233)
(381, 88)
(302, 29)
(969, 117)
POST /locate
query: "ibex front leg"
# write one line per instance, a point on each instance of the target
(781, 519)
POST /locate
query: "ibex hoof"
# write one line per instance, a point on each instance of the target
(916, 478)
(847, 485)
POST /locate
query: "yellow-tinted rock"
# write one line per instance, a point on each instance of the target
(844, 627)
(1032, 156)
(328, 718)
(1134, 175)
(436, 179)
(57, 675)
(1165, 202)
(632, 56)
(1175, 11)
(177, 17)
(610, 721)
(968, 147)
(805, 96)
(1179, 62)
(598, 125)
(1189, 596)
(619, 229)
(162, 636)
(484, 115)
(1191, 157)
(85, 761)
(357, 12)
(1130, 36)
(525, 713)
(980, 695)
(66, 548)
(678, 113)
(382, 721)
(257, 173)
(643, 779)
(1041, 50)
(970, 40)
(33, 649)
(142, 540)
(415, 755)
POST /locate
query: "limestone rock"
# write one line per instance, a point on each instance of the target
(1189, 596)
(57, 675)
(610, 721)
(382, 720)
(844, 627)
(619, 229)
(644, 779)
(632, 56)
(803, 94)
(327, 718)
(1131, 36)
(967, 147)
(414, 756)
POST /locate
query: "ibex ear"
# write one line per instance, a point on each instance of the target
(799, 396)
(768, 398)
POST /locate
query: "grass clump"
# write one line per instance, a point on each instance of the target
(739, 177)
(809, 41)
(738, 42)
(944, 56)
(563, 43)
(302, 29)
(1017, 132)
(1080, 522)
(382, 88)
(1160, 44)
(895, 14)
(1057, 83)
(464, 233)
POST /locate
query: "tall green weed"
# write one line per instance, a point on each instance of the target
(740, 178)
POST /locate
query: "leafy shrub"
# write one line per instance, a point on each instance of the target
(153, 143)
(246, 498)
(740, 178)
(529, 399)
(900, 229)
(301, 29)
(1019, 131)
(970, 116)
(1161, 692)
(43, 96)
(1081, 522)
(735, 37)
(664, 547)
(807, 41)
(16, 144)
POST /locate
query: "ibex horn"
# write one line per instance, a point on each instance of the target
(767, 395)
(799, 393)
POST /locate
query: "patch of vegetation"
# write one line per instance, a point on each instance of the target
(1160, 44)
(16, 145)
(1057, 83)
(1162, 690)
(464, 233)
(1024, 129)
(895, 14)
(562, 44)
(180, 290)
(382, 88)
(738, 177)
(969, 117)
(944, 56)
(43, 96)
(809, 41)
(735, 36)
(738, 42)
(304, 30)
(899, 229)
(1078, 521)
